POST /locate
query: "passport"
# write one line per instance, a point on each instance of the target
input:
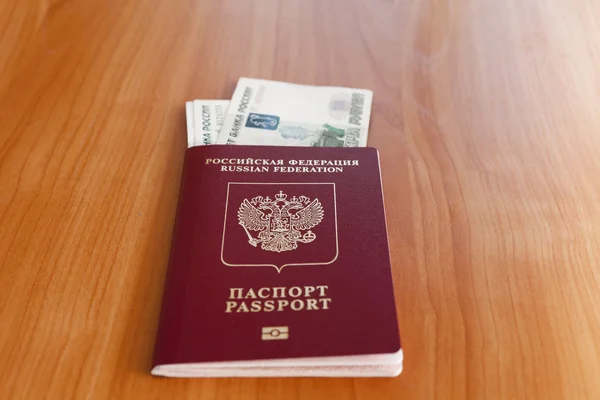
(279, 266)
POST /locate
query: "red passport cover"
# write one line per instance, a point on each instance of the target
(278, 252)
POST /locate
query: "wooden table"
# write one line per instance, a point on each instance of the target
(487, 116)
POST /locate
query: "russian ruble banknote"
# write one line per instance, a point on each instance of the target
(204, 120)
(274, 113)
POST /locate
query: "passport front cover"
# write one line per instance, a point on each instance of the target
(278, 253)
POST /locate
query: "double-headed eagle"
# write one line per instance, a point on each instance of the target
(280, 221)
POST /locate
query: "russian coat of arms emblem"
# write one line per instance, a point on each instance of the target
(281, 223)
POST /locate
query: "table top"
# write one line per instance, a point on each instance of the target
(486, 114)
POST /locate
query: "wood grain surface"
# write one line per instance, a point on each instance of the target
(487, 116)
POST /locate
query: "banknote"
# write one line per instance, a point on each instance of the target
(274, 113)
(189, 121)
(204, 120)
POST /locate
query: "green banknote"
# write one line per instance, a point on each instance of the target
(274, 113)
